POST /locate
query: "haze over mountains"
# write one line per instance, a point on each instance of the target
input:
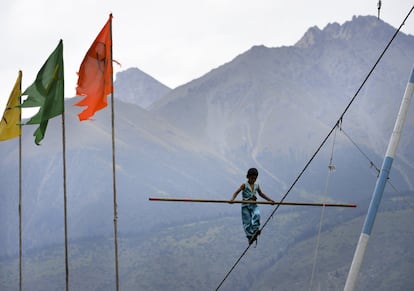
(268, 107)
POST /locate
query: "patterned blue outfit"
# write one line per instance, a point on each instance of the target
(250, 212)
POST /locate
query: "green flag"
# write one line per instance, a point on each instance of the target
(47, 92)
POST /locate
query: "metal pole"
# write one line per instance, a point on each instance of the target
(379, 186)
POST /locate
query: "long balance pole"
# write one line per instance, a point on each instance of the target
(379, 186)
(251, 202)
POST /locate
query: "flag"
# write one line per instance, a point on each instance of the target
(10, 123)
(95, 74)
(47, 92)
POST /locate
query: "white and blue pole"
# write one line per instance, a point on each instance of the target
(379, 186)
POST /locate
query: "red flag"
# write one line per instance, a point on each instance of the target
(95, 74)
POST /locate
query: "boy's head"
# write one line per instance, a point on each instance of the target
(252, 173)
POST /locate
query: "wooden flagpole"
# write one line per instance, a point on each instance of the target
(65, 201)
(20, 195)
(114, 169)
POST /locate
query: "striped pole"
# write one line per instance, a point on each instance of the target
(379, 186)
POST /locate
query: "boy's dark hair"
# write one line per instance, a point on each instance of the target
(252, 172)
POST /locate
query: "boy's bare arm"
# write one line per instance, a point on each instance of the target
(237, 192)
(263, 195)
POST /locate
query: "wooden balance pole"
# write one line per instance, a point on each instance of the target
(161, 199)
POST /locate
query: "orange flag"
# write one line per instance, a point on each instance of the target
(95, 74)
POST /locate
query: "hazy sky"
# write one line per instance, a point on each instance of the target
(173, 41)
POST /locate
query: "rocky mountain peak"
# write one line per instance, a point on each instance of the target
(354, 29)
(136, 87)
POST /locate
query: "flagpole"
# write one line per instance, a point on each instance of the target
(96, 84)
(65, 201)
(51, 105)
(114, 167)
(20, 193)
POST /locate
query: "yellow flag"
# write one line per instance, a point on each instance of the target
(10, 123)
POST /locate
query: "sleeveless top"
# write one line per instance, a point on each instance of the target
(248, 193)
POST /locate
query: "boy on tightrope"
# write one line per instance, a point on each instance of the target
(250, 212)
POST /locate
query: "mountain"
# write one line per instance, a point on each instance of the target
(136, 87)
(152, 159)
(265, 102)
(269, 108)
